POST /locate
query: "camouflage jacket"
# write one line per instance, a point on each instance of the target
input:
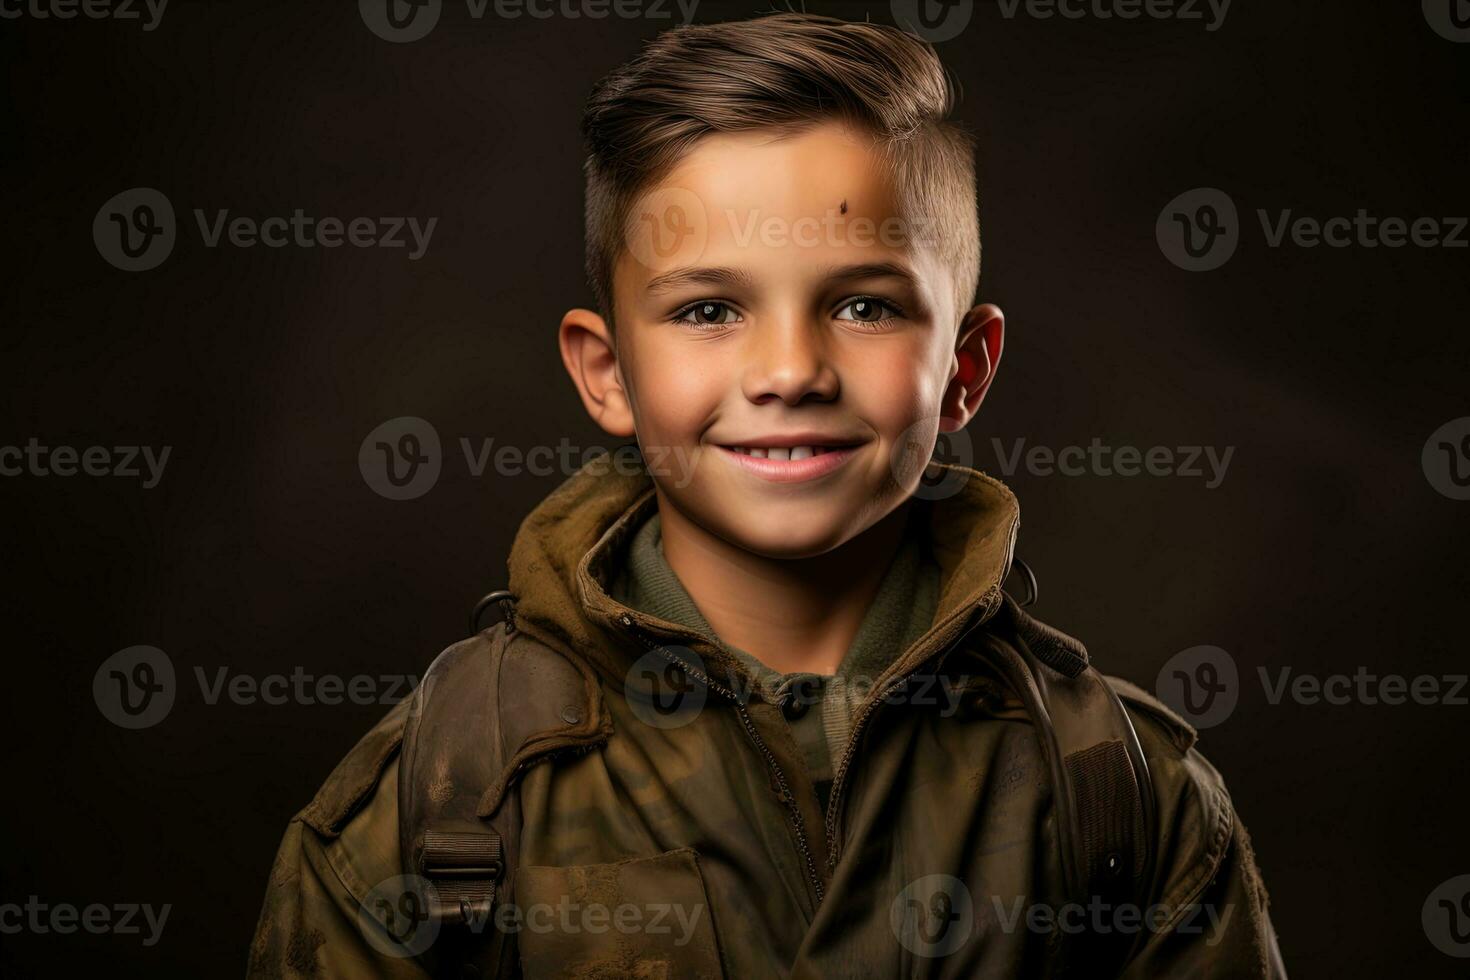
(700, 849)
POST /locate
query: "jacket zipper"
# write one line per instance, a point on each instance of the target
(788, 798)
(834, 804)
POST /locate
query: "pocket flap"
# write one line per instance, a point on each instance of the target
(645, 918)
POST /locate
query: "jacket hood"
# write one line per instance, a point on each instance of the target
(569, 548)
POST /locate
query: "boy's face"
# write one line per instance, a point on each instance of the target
(786, 346)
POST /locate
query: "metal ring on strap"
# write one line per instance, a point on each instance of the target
(1033, 590)
(499, 596)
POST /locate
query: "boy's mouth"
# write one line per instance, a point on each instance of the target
(782, 452)
(787, 460)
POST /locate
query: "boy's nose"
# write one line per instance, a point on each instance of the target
(789, 362)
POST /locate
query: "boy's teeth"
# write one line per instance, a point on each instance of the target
(782, 452)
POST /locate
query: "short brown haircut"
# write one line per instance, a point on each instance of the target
(785, 72)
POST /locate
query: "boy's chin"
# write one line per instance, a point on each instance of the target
(788, 530)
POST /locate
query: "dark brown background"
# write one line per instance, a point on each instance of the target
(264, 550)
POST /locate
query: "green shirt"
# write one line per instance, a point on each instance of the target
(819, 707)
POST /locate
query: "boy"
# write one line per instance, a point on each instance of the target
(763, 709)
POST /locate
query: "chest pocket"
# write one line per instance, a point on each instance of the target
(646, 918)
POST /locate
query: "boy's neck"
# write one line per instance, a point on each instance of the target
(794, 615)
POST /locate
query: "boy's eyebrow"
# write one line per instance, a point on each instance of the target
(728, 276)
(873, 270)
(698, 276)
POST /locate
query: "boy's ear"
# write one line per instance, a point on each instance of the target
(590, 357)
(977, 355)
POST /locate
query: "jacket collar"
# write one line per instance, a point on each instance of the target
(565, 555)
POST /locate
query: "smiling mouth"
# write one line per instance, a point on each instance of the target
(791, 464)
(783, 452)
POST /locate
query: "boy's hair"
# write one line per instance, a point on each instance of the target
(784, 72)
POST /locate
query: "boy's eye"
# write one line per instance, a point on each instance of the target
(706, 313)
(868, 309)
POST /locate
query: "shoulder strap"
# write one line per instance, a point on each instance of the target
(1100, 781)
(488, 707)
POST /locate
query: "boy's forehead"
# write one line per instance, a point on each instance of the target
(792, 175)
(820, 196)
